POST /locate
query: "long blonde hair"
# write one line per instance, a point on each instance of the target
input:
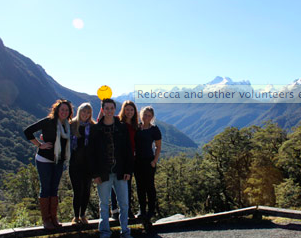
(76, 120)
(151, 110)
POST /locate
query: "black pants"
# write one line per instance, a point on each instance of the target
(145, 180)
(81, 184)
(114, 199)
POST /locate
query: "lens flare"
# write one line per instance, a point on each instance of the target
(78, 23)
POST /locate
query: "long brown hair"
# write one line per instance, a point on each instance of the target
(54, 110)
(122, 116)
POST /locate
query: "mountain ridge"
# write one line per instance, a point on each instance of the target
(202, 121)
(26, 95)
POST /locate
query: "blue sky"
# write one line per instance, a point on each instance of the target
(128, 42)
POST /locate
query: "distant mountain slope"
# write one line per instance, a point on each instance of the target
(173, 136)
(75, 97)
(286, 115)
(26, 94)
(202, 121)
(22, 83)
(27, 85)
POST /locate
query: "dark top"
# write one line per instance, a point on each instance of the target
(144, 142)
(79, 155)
(100, 162)
(48, 128)
(109, 152)
(132, 132)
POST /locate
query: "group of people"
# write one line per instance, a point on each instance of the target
(108, 152)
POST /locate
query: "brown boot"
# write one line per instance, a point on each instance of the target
(54, 202)
(44, 207)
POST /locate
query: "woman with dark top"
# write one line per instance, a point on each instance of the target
(51, 155)
(146, 160)
(78, 168)
(128, 115)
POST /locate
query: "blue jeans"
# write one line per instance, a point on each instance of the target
(114, 200)
(104, 193)
(50, 175)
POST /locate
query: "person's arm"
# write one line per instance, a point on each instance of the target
(129, 155)
(92, 155)
(157, 152)
(100, 115)
(30, 130)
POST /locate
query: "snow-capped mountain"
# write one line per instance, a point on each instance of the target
(225, 84)
(296, 82)
(227, 81)
(125, 96)
(294, 86)
(267, 88)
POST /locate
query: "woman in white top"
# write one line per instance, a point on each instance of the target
(51, 155)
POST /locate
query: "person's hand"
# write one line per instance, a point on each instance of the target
(97, 180)
(153, 164)
(47, 146)
(126, 177)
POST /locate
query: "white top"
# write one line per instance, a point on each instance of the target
(43, 159)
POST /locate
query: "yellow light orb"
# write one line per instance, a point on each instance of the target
(104, 92)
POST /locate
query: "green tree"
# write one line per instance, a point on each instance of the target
(229, 152)
(23, 184)
(20, 204)
(263, 172)
(289, 158)
(288, 194)
(179, 184)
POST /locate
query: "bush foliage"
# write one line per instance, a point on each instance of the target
(238, 168)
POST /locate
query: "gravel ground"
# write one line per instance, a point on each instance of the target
(239, 228)
(234, 228)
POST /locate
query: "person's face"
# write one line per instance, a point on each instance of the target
(63, 112)
(129, 111)
(109, 109)
(84, 115)
(147, 117)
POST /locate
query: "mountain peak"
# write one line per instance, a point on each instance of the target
(2, 47)
(227, 81)
(297, 82)
(221, 80)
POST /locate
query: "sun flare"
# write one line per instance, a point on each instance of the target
(78, 23)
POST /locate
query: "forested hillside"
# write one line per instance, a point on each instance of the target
(239, 168)
(14, 148)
